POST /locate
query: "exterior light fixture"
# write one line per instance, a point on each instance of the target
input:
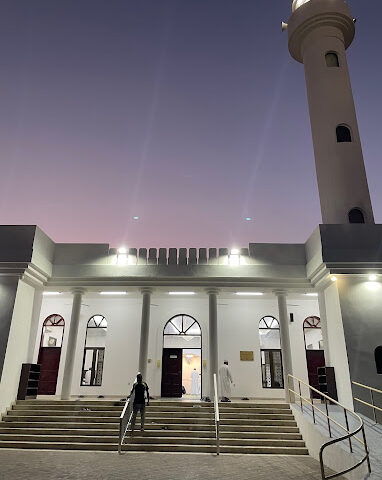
(112, 293)
(181, 293)
(333, 279)
(235, 251)
(311, 294)
(372, 277)
(122, 250)
(252, 294)
(248, 219)
(51, 293)
(135, 218)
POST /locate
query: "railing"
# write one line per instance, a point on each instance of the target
(217, 417)
(371, 405)
(348, 436)
(125, 419)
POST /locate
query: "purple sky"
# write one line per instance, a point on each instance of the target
(188, 114)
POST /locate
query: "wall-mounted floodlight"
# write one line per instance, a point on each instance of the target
(372, 277)
(333, 278)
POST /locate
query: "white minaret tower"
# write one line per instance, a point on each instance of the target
(319, 32)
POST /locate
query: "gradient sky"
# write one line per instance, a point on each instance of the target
(187, 113)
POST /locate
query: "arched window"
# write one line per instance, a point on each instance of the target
(270, 352)
(343, 134)
(312, 333)
(182, 331)
(314, 350)
(94, 351)
(356, 216)
(52, 331)
(331, 59)
(378, 359)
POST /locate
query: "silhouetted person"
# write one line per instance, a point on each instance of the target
(139, 389)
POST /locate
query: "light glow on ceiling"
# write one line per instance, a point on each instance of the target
(250, 293)
(181, 293)
(112, 293)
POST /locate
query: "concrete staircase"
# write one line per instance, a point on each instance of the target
(170, 426)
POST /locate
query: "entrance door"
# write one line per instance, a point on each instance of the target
(314, 360)
(49, 359)
(172, 372)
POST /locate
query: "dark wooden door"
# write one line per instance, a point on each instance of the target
(172, 372)
(49, 359)
(314, 360)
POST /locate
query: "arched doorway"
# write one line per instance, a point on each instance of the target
(182, 358)
(314, 349)
(94, 351)
(50, 353)
(270, 353)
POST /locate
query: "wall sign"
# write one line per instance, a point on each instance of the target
(246, 356)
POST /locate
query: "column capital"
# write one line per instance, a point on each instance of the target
(146, 290)
(212, 291)
(79, 290)
(280, 293)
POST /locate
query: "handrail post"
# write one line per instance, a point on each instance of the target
(347, 426)
(288, 387)
(372, 402)
(299, 389)
(327, 415)
(366, 449)
(217, 416)
(311, 398)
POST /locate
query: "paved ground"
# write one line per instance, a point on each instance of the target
(49, 465)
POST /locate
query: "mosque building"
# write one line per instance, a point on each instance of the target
(92, 315)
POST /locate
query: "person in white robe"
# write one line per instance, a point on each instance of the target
(225, 377)
(194, 382)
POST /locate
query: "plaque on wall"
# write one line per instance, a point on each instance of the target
(246, 356)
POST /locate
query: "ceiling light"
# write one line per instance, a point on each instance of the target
(51, 293)
(181, 293)
(122, 250)
(249, 293)
(311, 294)
(112, 293)
(372, 277)
(333, 279)
(234, 251)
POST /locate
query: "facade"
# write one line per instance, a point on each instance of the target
(93, 316)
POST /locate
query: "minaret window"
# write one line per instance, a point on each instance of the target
(343, 134)
(332, 59)
(356, 216)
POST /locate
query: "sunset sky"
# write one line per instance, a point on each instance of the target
(189, 114)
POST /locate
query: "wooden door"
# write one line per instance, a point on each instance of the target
(314, 360)
(49, 359)
(172, 372)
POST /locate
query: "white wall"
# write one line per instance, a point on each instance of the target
(337, 345)
(238, 321)
(17, 346)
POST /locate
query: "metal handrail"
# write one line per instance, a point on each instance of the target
(371, 405)
(125, 419)
(349, 435)
(217, 416)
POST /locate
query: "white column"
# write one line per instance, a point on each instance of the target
(72, 343)
(324, 326)
(213, 337)
(145, 327)
(284, 337)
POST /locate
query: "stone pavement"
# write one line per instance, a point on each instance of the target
(63, 465)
